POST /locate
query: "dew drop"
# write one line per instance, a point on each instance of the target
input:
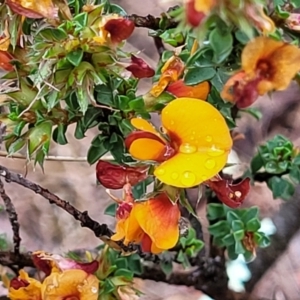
(208, 138)
(187, 148)
(188, 179)
(160, 172)
(215, 152)
(174, 175)
(172, 122)
(94, 290)
(210, 164)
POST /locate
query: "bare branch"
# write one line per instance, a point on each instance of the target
(13, 218)
(100, 230)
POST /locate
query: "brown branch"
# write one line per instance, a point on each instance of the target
(9, 259)
(13, 218)
(100, 230)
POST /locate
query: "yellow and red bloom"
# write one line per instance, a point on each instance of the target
(197, 10)
(144, 222)
(170, 72)
(70, 284)
(180, 89)
(113, 29)
(197, 144)
(267, 65)
(24, 288)
(33, 9)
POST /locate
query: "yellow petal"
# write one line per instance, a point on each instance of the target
(188, 170)
(202, 138)
(147, 149)
(70, 283)
(142, 124)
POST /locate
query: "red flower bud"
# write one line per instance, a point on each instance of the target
(5, 59)
(230, 194)
(17, 283)
(120, 29)
(139, 68)
(114, 176)
(123, 210)
(194, 17)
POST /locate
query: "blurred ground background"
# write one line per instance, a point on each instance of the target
(44, 226)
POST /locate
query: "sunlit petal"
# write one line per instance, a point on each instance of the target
(159, 219)
(70, 283)
(147, 149)
(144, 125)
(188, 170)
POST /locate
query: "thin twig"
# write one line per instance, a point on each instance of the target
(13, 218)
(100, 230)
(159, 45)
(54, 157)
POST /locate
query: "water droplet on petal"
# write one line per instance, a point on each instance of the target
(208, 138)
(188, 179)
(172, 122)
(215, 152)
(187, 148)
(94, 290)
(174, 175)
(160, 171)
(210, 164)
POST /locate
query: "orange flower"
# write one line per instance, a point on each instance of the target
(24, 288)
(5, 59)
(33, 9)
(145, 222)
(170, 72)
(179, 89)
(70, 284)
(198, 145)
(267, 65)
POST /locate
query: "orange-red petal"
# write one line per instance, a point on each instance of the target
(202, 137)
(159, 219)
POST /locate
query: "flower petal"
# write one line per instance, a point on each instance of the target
(143, 125)
(23, 288)
(113, 176)
(120, 29)
(147, 149)
(157, 214)
(70, 283)
(188, 170)
(230, 194)
(139, 68)
(179, 89)
(286, 63)
(257, 49)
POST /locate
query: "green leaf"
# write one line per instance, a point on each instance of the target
(231, 252)
(256, 163)
(228, 239)
(249, 214)
(281, 188)
(111, 210)
(39, 135)
(237, 225)
(197, 75)
(232, 216)
(241, 37)
(79, 131)
(254, 112)
(219, 229)
(59, 134)
(215, 211)
(295, 3)
(16, 146)
(75, 57)
(253, 225)
(239, 235)
(221, 42)
(104, 95)
(127, 274)
(295, 174)
(95, 153)
(239, 248)
(166, 267)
